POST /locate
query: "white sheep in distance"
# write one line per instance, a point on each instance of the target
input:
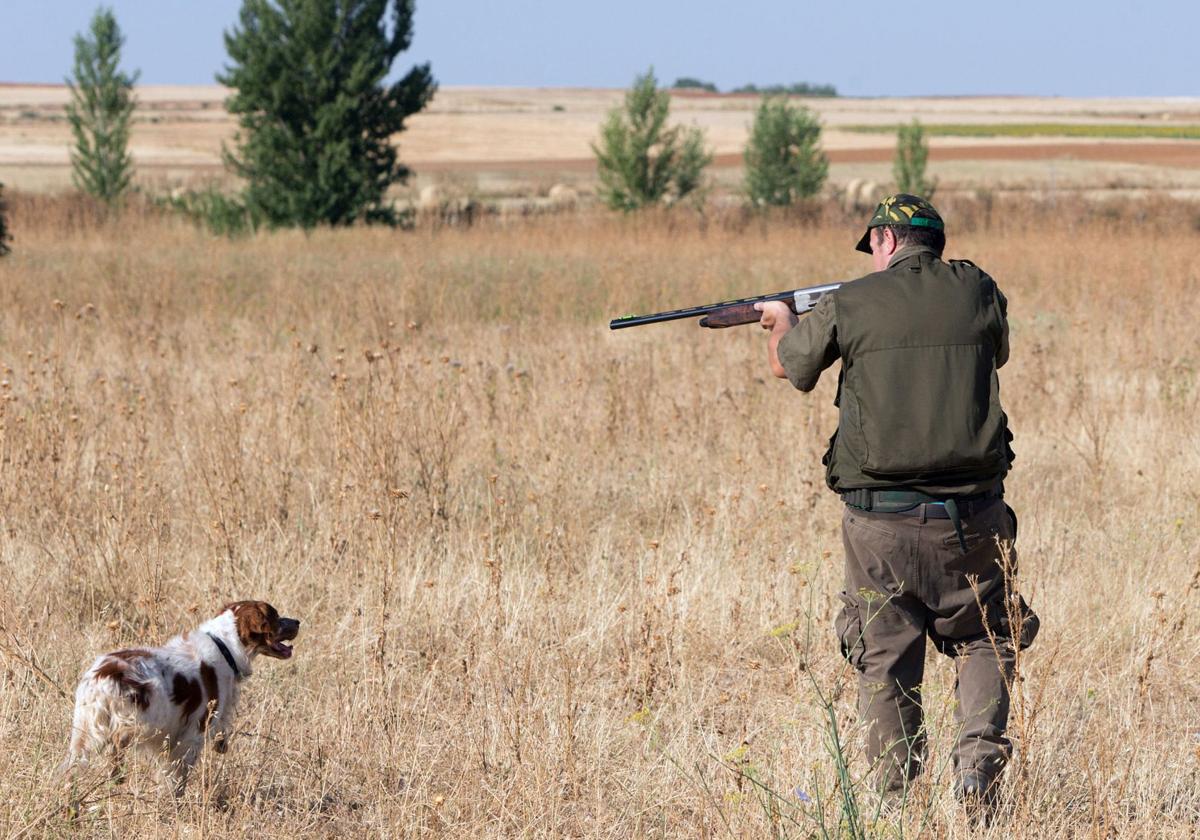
(861, 195)
(562, 196)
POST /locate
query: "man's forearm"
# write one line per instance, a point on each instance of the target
(773, 353)
(808, 349)
(778, 320)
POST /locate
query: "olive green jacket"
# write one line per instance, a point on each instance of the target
(918, 393)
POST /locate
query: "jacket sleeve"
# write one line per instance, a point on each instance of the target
(810, 346)
(1002, 346)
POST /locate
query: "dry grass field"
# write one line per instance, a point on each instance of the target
(557, 581)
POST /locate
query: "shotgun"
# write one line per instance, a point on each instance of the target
(730, 313)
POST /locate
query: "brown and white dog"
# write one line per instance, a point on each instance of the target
(172, 699)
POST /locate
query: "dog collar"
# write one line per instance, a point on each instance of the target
(225, 653)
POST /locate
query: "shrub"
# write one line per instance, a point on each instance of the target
(100, 109)
(908, 169)
(784, 161)
(640, 160)
(220, 213)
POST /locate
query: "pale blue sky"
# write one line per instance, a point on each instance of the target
(1042, 47)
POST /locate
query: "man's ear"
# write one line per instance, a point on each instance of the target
(880, 239)
(890, 243)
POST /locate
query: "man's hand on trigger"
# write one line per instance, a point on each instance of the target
(776, 315)
(778, 318)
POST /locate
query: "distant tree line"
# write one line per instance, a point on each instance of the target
(795, 89)
(688, 83)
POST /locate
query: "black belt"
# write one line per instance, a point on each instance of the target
(913, 503)
(908, 501)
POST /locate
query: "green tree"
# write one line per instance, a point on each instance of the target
(908, 168)
(4, 236)
(315, 119)
(784, 161)
(641, 160)
(100, 110)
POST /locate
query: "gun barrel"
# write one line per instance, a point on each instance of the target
(800, 300)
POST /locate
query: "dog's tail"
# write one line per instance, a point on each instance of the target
(96, 719)
(88, 721)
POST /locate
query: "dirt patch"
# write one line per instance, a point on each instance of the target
(1154, 154)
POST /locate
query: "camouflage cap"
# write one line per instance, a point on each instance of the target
(901, 209)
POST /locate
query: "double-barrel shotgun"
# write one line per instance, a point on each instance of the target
(731, 313)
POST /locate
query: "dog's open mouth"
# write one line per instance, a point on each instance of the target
(289, 628)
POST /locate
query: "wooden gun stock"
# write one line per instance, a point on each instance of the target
(731, 316)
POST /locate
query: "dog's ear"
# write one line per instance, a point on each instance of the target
(253, 618)
(235, 607)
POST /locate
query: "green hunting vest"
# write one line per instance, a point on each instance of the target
(918, 394)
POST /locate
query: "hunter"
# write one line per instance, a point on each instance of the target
(919, 458)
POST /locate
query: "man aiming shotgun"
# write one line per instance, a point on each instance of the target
(919, 458)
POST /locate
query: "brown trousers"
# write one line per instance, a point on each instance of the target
(907, 578)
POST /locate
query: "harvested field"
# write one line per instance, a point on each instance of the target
(1155, 154)
(519, 142)
(557, 581)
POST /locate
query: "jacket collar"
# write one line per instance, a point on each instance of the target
(909, 251)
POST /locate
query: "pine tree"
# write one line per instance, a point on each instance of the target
(315, 118)
(4, 237)
(784, 161)
(101, 106)
(640, 160)
(908, 169)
